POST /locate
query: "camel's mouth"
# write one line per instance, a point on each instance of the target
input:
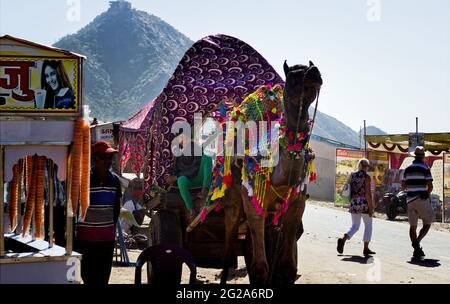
(313, 78)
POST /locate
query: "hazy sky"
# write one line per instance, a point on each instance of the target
(385, 61)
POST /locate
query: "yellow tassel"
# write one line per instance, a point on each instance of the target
(219, 192)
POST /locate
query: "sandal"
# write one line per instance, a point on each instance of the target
(191, 215)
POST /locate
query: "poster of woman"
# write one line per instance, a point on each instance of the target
(54, 80)
(37, 78)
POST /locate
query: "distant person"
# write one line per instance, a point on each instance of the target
(361, 206)
(418, 182)
(55, 81)
(94, 122)
(134, 207)
(95, 236)
(191, 172)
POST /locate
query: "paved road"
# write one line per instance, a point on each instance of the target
(319, 261)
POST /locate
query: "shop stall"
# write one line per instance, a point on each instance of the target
(44, 155)
(437, 146)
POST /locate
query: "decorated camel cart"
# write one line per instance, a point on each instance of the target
(216, 78)
(42, 157)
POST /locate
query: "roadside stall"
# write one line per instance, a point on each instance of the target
(437, 146)
(389, 157)
(44, 162)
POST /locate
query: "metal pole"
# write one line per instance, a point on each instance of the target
(51, 180)
(365, 142)
(444, 156)
(33, 219)
(2, 196)
(19, 194)
(417, 125)
(360, 138)
(69, 215)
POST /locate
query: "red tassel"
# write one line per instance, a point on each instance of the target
(228, 180)
(203, 215)
(218, 207)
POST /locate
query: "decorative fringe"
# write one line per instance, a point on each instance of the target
(266, 103)
(294, 191)
(203, 215)
(248, 187)
(218, 207)
(257, 205)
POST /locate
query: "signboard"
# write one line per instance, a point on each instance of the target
(38, 79)
(105, 133)
(346, 163)
(38, 84)
(447, 187)
(378, 172)
(415, 139)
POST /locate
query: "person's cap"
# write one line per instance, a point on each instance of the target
(418, 152)
(102, 147)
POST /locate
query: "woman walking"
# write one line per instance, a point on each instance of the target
(361, 206)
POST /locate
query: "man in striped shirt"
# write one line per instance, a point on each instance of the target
(95, 235)
(418, 182)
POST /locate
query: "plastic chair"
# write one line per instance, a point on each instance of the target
(166, 264)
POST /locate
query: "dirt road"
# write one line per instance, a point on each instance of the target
(320, 263)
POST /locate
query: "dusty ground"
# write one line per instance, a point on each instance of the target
(319, 262)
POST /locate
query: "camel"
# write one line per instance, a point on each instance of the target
(301, 88)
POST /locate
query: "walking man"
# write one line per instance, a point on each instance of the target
(418, 182)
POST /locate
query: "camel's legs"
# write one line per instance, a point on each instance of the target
(259, 271)
(232, 217)
(292, 223)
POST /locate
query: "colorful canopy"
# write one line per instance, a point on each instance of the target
(133, 138)
(435, 143)
(215, 69)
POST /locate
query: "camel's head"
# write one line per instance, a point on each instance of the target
(302, 84)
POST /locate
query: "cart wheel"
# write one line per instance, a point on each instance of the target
(165, 228)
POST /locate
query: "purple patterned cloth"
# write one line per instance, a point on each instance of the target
(216, 68)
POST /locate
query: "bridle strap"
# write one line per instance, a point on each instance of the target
(315, 112)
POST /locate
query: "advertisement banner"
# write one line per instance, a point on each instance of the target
(447, 187)
(379, 170)
(346, 163)
(39, 84)
(105, 132)
(415, 139)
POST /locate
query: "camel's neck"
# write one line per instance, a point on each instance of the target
(293, 121)
(289, 165)
(289, 170)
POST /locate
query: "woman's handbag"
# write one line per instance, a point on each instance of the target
(346, 191)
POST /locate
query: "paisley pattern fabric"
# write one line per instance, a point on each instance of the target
(358, 201)
(215, 69)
